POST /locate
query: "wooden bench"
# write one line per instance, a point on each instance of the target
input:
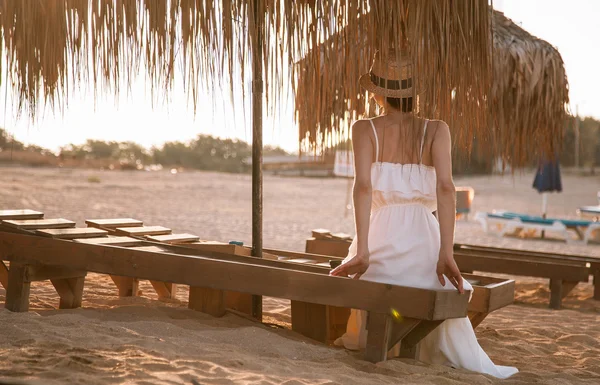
(563, 270)
(210, 274)
(489, 293)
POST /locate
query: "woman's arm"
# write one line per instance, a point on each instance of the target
(446, 201)
(361, 195)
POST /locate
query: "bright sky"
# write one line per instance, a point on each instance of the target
(571, 26)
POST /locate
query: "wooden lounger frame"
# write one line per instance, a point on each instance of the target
(209, 275)
(563, 270)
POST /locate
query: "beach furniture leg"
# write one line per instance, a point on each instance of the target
(321, 323)
(596, 273)
(310, 320)
(559, 289)
(476, 318)
(127, 286)
(17, 290)
(409, 347)
(3, 274)
(241, 302)
(165, 290)
(70, 291)
(379, 327)
(207, 300)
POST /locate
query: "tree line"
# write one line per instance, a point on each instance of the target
(206, 152)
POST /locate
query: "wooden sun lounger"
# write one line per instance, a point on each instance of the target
(209, 275)
(563, 270)
(489, 293)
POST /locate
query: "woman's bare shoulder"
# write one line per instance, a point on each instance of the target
(439, 127)
(360, 126)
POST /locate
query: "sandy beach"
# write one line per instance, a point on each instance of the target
(142, 340)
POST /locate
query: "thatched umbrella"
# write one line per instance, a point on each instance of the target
(53, 46)
(527, 102)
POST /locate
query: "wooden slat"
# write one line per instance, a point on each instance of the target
(114, 223)
(522, 266)
(321, 234)
(37, 224)
(241, 277)
(143, 231)
(112, 241)
(20, 214)
(174, 238)
(73, 233)
(333, 248)
(219, 247)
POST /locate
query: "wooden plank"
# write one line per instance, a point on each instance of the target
(571, 271)
(3, 275)
(37, 224)
(113, 223)
(70, 291)
(321, 234)
(46, 272)
(333, 248)
(515, 253)
(148, 248)
(143, 231)
(219, 247)
(17, 290)
(285, 254)
(207, 300)
(203, 271)
(20, 214)
(174, 238)
(73, 233)
(111, 241)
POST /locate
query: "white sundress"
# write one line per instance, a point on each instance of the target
(404, 244)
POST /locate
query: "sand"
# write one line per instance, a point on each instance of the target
(112, 340)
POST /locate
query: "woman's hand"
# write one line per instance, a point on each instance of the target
(358, 265)
(447, 266)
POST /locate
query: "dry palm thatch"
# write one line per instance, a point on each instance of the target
(526, 107)
(530, 94)
(54, 45)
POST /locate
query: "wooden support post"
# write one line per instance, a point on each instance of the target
(596, 272)
(556, 293)
(207, 300)
(242, 302)
(379, 328)
(70, 291)
(310, 320)
(568, 286)
(320, 322)
(3, 275)
(165, 290)
(476, 318)
(128, 287)
(256, 33)
(17, 291)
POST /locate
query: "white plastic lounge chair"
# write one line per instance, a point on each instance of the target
(503, 223)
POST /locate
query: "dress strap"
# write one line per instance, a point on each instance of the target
(423, 141)
(376, 141)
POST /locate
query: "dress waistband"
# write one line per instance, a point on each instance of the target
(374, 210)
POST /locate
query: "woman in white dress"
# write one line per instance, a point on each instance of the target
(403, 173)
